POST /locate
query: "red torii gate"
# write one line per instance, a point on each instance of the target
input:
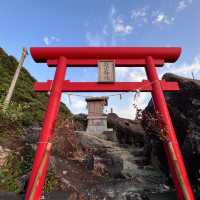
(148, 57)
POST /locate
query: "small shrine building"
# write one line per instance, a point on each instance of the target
(97, 120)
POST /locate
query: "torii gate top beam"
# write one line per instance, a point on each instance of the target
(43, 54)
(89, 56)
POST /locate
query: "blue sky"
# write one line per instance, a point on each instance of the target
(26, 23)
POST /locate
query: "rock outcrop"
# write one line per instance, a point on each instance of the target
(127, 131)
(184, 107)
(107, 171)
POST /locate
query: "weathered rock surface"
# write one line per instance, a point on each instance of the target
(120, 174)
(127, 131)
(114, 160)
(184, 109)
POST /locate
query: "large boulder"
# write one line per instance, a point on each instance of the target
(104, 156)
(127, 131)
(184, 107)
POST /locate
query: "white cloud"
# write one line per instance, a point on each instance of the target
(121, 73)
(162, 18)
(182, 4)
(115, 27)
(140, 14)
(46, 40)
(143, 15)
(78, 104)
(184, 69)
(137, 75)
(119, 26)
(75, 103)
(130, 74)
(127, 110)
(49, 40)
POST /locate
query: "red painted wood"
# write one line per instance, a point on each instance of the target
(46, 133)
(68, 86)
(118, 62)
(42, 54)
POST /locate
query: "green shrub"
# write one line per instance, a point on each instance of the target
(10, 172)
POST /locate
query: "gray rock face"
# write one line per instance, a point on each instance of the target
(113, 159)
(128, 131)
(184, 107)
(107, 156)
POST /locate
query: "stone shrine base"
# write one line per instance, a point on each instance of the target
(97, 124)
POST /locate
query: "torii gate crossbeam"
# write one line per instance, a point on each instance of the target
(144, 86)
(148, 57)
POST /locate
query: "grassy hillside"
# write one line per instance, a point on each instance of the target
(24, 94)
(26, 110)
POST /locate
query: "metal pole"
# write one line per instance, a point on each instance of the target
(177, 167)
(14, 80)
(40, 164)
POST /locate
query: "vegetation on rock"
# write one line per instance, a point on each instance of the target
(25, 110)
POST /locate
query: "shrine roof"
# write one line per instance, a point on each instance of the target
(105, 99)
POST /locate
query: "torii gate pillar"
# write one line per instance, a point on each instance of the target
(171, 146)
(41, 159)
